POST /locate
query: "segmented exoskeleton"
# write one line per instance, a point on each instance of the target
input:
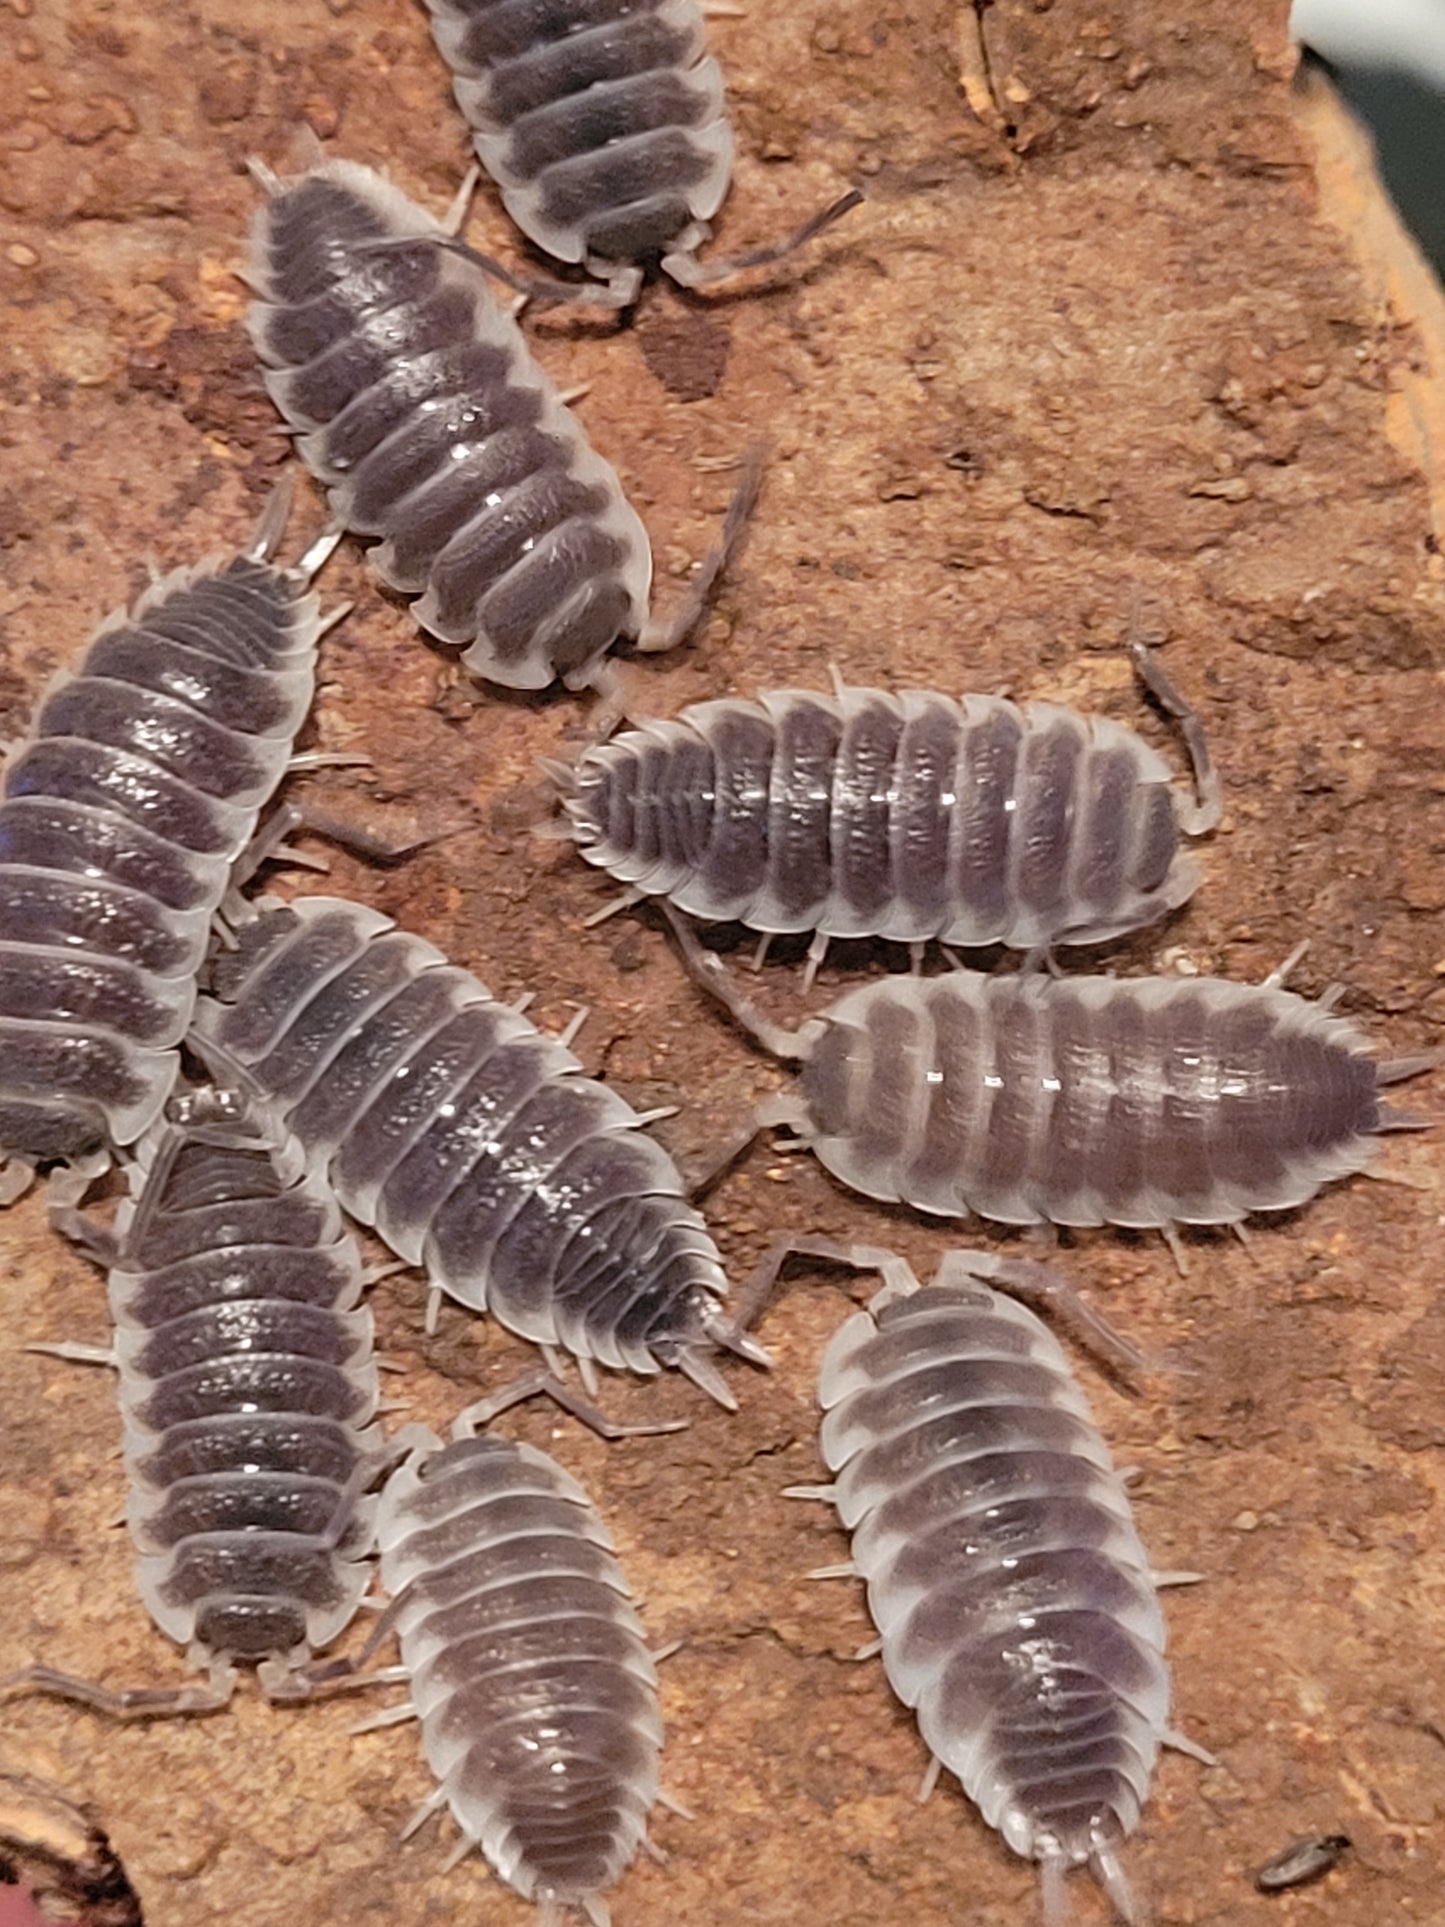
(602, 122)
(138, 785)
(469, 1140)
(527, 1665)
(906, 817)
(248, 1389)
(1148, 1102)
(1015, 1605)
(418, 405)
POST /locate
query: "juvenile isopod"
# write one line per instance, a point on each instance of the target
(1302, 1863)
(138, 785)
(1016, 1610)
(417, 404)
(248, 1389)
(469, 1140)
(527, 1665)
(603, 124)
(1148, 1102)
(906, 817)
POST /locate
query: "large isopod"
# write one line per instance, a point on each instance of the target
(1148, 1102)
(248, 1388)
(125, 806)
(1017, 1613)
(469, 1140)
(417, 404)
(527, 1666)
(907, 817)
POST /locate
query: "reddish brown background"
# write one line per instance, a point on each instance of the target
(1098, 340)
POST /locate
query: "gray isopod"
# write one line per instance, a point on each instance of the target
(1015, 1605)
(469, 1140)
(603, 124)
(418, 405)
(138, 785)
(1147, 1102)
(906, 817)
(528, 1666)
(248, 1387)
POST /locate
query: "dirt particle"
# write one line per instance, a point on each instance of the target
(687, 351)
(630, 954)
(81, 123)
(1409, 1409)
(1230, 488)
(229, 94)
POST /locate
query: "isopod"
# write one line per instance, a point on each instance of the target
(417, 404)
(138, 785)
(1147, 1102)
(469, 1140)
(1017, 1613)
(527, 1664)
(1302, 1863)
(604, 126)
(248, 1388)
(906, 817)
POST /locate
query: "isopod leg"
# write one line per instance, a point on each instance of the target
(817, 957)
(477, 1416)
(708, 1180)
(90, 1238)
(274, 517)
(708, 972)
(1277, 977)
(1179, 1742)
(898, 1276)
(1041, 1287)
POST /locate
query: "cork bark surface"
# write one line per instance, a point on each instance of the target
(1093, 346)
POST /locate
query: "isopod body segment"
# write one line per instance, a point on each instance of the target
(602, 122)
(124, 807)
(417, 404)
(527, 1663)
(469, 1140)
(907, 817)
(1014, 1602)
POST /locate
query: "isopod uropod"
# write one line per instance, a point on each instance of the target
(469, 1140)
(906, 817)
(417, 404)
(138, 785)
(248, 1390)
(1015, 1605)
(1146, 1102)
(527, 1665)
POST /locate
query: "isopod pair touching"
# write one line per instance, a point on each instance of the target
(249, 1391)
